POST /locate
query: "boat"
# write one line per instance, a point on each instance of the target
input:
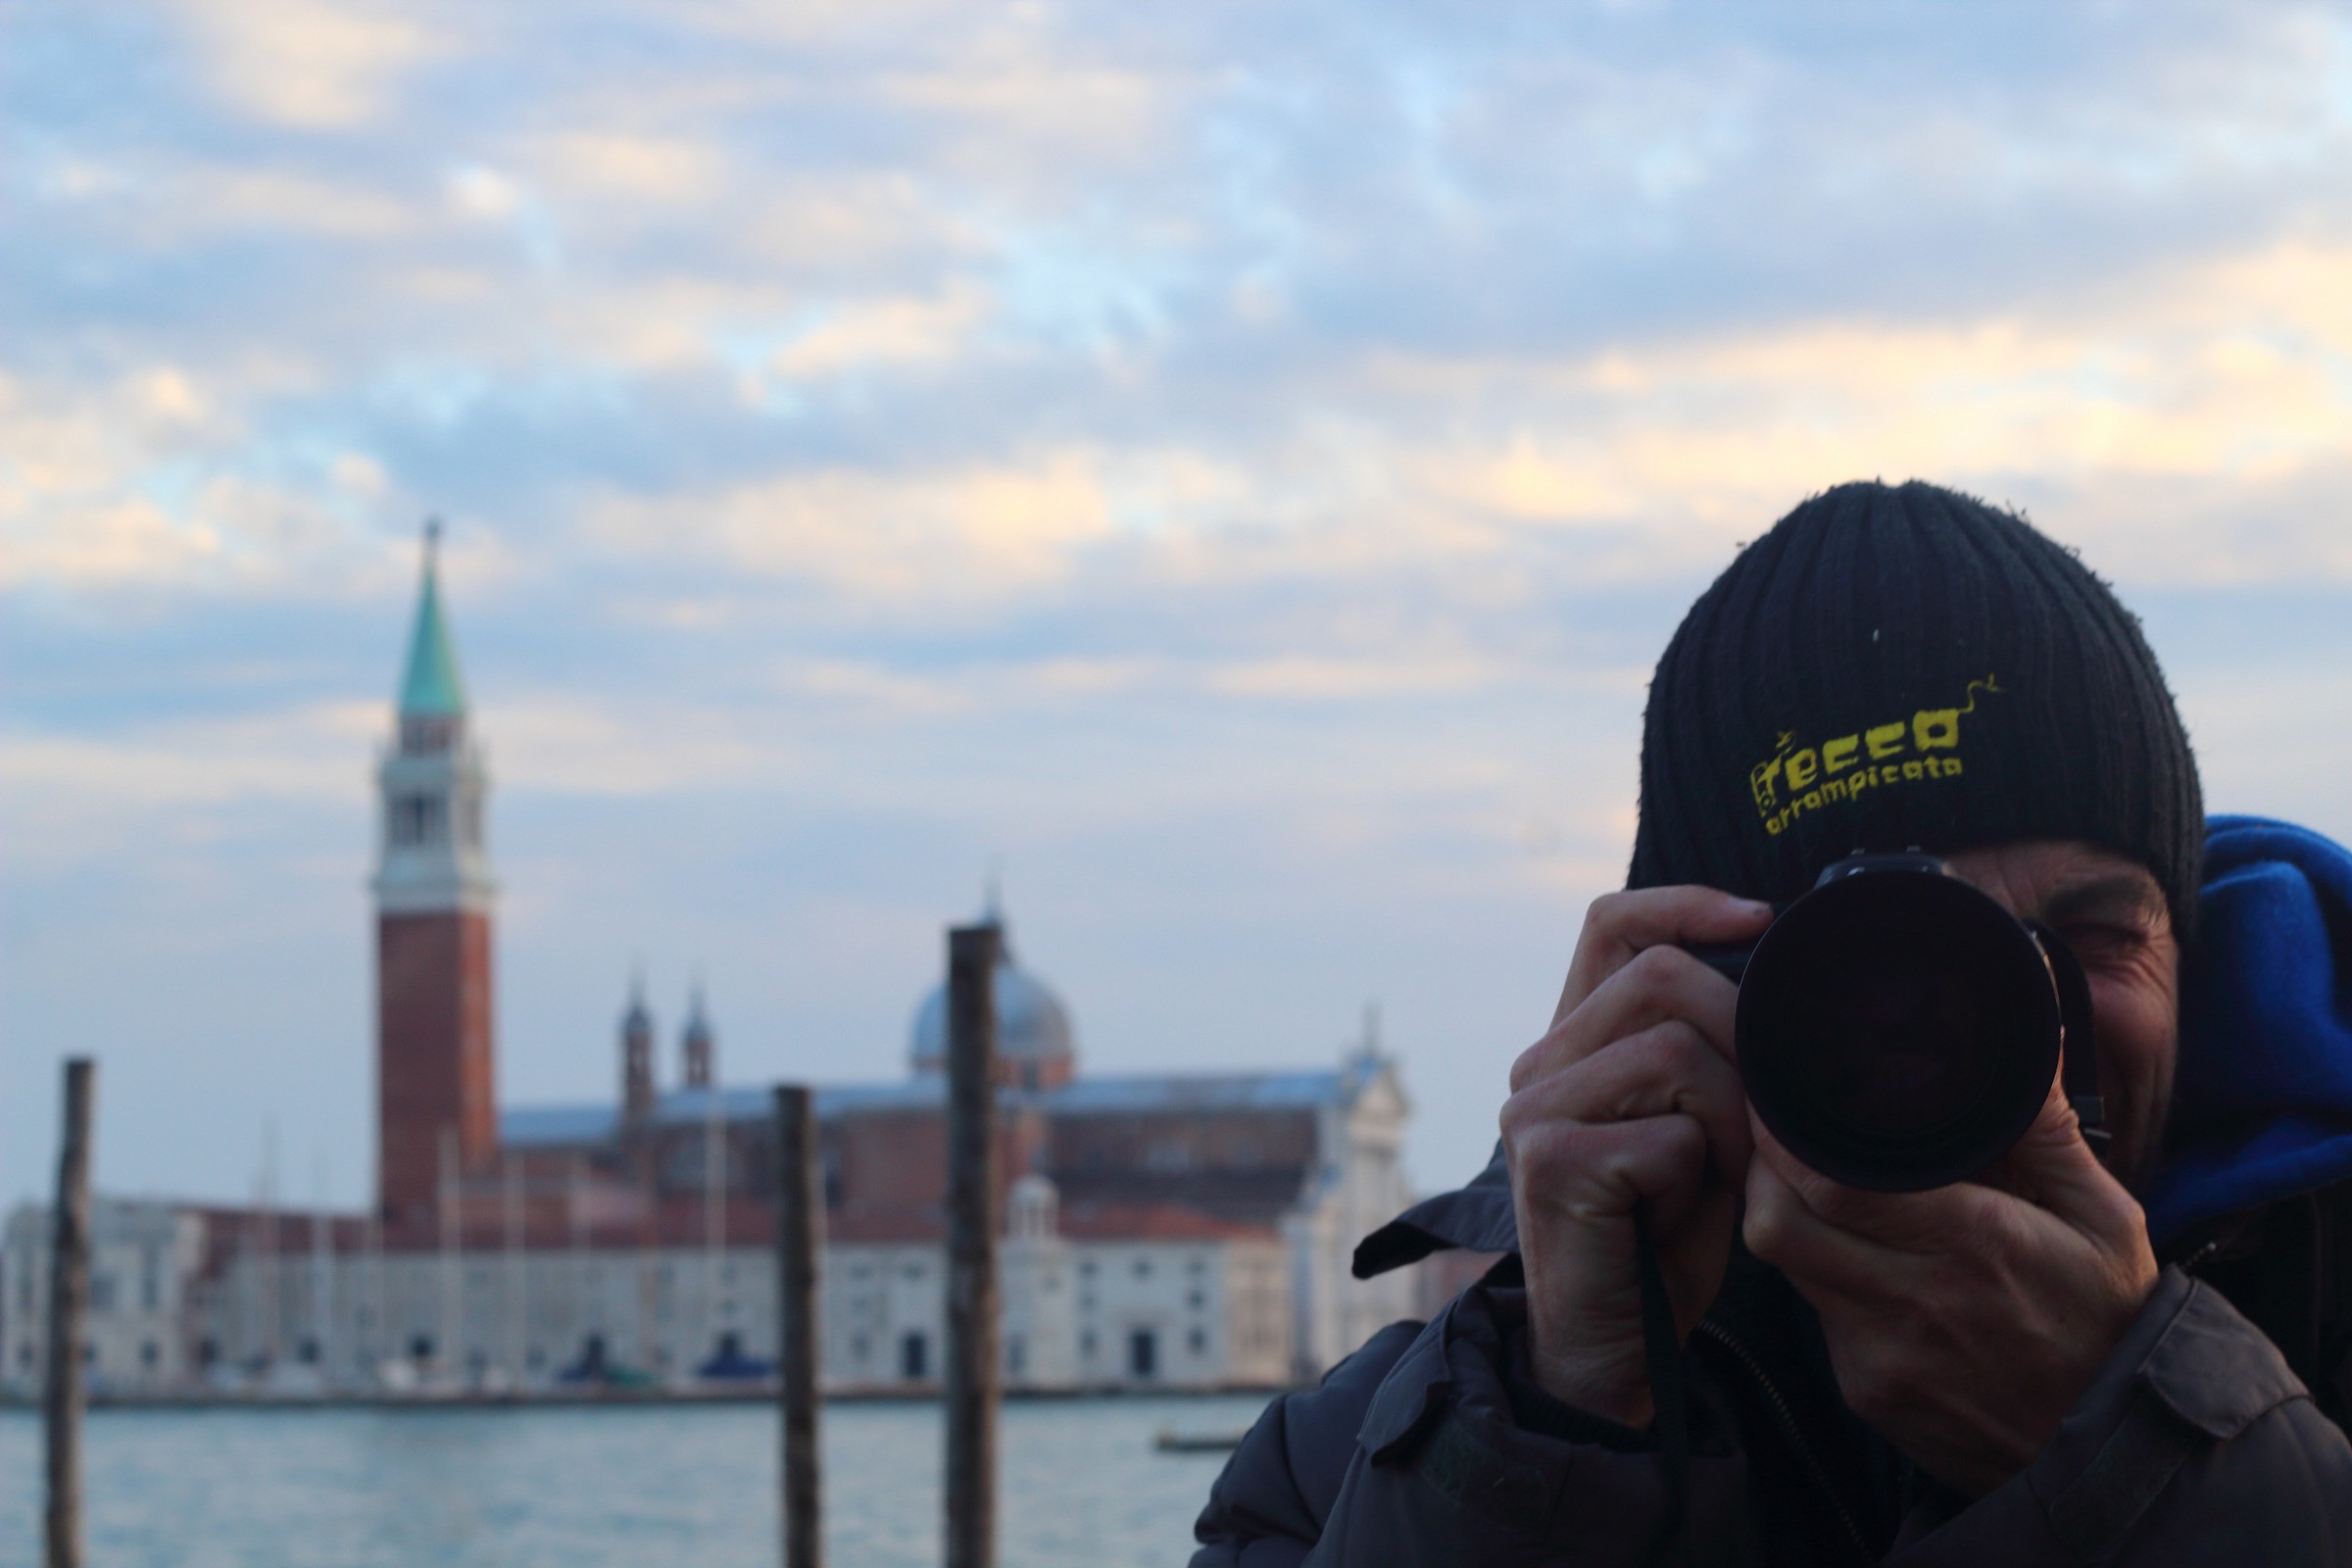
(1170, 1441)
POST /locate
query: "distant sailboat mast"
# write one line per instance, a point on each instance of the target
(715, 1168)
(517, 1299)
(373, 1353)
(322, 1276)
(268, 1206)
(582, 1319)
(452, 1244)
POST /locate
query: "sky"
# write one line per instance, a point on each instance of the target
(1228, 467)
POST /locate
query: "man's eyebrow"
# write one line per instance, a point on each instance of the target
(2128, 892)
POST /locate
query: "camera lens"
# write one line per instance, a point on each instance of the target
(1897, 1030)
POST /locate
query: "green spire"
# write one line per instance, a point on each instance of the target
(432, 688)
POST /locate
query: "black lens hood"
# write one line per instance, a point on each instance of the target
(1898, 1029)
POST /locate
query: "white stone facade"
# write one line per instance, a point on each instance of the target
(143, 1259)
(1360, 1187)
(1209, 1312)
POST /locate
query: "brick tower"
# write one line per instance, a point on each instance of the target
(432, 887)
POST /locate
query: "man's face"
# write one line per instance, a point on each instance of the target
(2113, 915)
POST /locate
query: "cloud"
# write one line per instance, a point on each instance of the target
(242, 201)
(956, 535)
(887, 332)
(1311, 680)
(110, 545)
(567, 745)
(2226, 379)
(599, 165)
(74, 798)
(70, 513)
(480, 191)
(1024, 104)
(313, 65)
(305, 750)
(358, 473)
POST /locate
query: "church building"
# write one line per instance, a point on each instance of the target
(1162, 1231)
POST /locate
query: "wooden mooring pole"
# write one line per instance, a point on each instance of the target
(800, 1238)
(69, 1317)
(972, 1381)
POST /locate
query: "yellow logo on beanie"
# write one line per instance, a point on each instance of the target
(1923, 748)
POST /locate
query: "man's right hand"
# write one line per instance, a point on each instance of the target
(1632, 1096)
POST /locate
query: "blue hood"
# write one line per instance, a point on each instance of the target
(2262, 1101)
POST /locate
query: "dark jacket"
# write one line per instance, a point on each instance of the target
(2198, 1443)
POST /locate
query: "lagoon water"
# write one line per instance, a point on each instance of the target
(618, 1487)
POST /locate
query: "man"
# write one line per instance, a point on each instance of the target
(2058, 1362)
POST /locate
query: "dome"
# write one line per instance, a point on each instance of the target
(1032, 1025)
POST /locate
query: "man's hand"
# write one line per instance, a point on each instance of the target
(1963, 1323)
(1632, 1096)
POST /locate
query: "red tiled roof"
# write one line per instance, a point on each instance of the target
(880, 1224)
(1155, 1222)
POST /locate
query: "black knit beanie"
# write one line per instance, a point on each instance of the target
(1890, 668)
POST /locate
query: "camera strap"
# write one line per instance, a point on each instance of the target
(2079, 1053)
(1662, 1349)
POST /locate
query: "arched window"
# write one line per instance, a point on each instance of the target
(418, 820)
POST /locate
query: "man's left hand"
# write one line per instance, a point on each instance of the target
(1963, 1323)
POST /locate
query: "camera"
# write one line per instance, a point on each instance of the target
(1899, 1029)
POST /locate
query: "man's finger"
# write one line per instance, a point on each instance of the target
(1782, 1229)
(1655, 985)
(2053, 1167)
(1889, 1222)
(1667, 1069)
(1621, 924)
(1606, 1167)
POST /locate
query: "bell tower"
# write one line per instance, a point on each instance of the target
(698, 1046)
(637, 1091)
(433, 895)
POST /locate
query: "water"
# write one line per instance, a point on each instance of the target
(605, 1488)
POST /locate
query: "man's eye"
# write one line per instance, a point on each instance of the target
(2094, 943)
